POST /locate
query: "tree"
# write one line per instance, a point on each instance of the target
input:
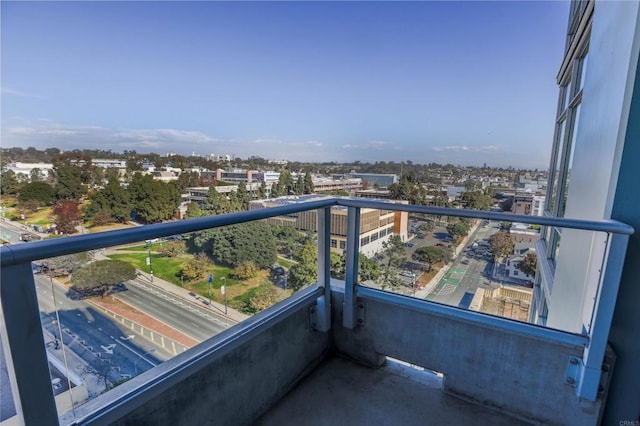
(299, 186)
(61, 266)
(308, 184)
(304, 272)
(501, 244)
(427, 226)
(193, 211)
(476, 200)
(368, 270)
(68, 181)
(262, 190)
(101, 276)
(431, 255)
(112, 199)
(393, 251)
(197, 267)
(36, 175)
(172, 248)
(67, 216)
(236, 244)
(243, 196)
(245, 271)
(529, 263)
(260, 298)
(458, 229)
(36, 191)
(153, 200)
(8, 182)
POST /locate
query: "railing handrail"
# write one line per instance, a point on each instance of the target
(15, 254)
(603, 225)
(21, 253)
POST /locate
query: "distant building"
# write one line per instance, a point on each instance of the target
(376, 226)
(379, 180)
(455, 192)
(379, 194)
(532, 205)
(20, 168)
(326, 184)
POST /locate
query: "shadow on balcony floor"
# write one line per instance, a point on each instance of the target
(340, 392)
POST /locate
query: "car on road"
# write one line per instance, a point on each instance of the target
(410, 245)
(408, 274)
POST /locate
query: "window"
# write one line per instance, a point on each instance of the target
(364, 241)
(343, 245)
(564, 146)
(334, 243)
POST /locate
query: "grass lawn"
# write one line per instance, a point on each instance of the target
(109, 227)
(41, 217)
(135, 248)
(285, 262)
(168, 268)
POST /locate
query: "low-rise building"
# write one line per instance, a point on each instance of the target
(376, 226)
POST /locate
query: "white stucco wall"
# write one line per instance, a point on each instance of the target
(608, 85)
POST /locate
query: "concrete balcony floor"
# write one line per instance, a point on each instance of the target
(340, 392)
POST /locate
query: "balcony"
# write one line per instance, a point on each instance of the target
(322, 355)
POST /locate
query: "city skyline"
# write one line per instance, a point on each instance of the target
(455, 82)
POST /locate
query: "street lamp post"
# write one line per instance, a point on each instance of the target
(135, 364)
(149, 261)
(224, 291)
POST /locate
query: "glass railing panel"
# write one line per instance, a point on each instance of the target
(113, 313)
(490, 267)
(7, 404)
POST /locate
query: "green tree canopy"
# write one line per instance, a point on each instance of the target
(431, 255)
(112, 199)
(153, 200)
(476, 200)
(68, 182)
(529, 263)
(36, 191)
(98, 277)
(237, 244)
(8, 182)
(501, 244)
(394, 255)
(458, 229)
(304, 272)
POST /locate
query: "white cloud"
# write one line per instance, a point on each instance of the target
(18, 93)
(465, 148)
(368, 145)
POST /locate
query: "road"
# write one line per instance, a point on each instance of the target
(104, 345)
(188, 318)
(13, 231)
(467, 273)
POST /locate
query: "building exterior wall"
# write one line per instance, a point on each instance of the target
(376, 226)
(590, 154)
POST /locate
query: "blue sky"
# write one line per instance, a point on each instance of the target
(454, 82)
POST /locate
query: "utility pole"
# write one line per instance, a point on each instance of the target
(224, 292)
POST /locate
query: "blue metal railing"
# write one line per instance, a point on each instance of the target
(21, 314)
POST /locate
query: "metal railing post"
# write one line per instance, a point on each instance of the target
(324, 268)
(26, 354)
(603, 309)
(351, 269)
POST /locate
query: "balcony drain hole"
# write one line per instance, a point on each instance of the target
(417, 373)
